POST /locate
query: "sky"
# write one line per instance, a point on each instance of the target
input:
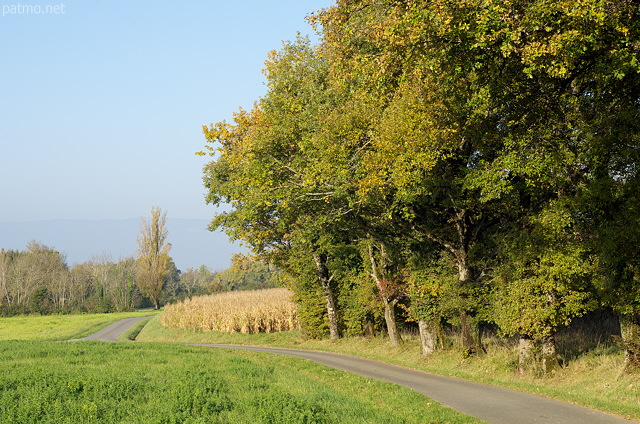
(102, 103)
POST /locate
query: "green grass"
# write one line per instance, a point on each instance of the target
(132, 333)
(93, 382)
(592, 379)
(59, 327)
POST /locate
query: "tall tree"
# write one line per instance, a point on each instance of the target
(269, 170)
(490, 111)
(432, 127)
(153, 255)
(570, 115)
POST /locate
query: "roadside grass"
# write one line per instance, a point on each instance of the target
(592, 379)
(90, 382)
(59, 327)
(131, 334)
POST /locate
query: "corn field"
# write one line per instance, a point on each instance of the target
(258, 311)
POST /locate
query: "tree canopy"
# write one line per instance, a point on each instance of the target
(477, 160)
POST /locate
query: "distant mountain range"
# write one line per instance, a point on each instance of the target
(81, 240)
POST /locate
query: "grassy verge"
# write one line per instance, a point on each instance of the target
(592, 380)
(132, 333)
(88, 382)
(59, 327)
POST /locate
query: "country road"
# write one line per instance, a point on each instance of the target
(492, 404)
(111, 332)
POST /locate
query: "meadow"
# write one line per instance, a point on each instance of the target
(59, 327)
(44, 381)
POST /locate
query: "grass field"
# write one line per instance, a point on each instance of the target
(59, 327)
(593, 380)
(92, 382)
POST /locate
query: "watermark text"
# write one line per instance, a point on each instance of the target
(33, 9)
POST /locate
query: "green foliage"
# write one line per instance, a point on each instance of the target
(271, 167)
(37, 280)
(40, 302)
(498, 137)
(545, 277)
(362, 311)
(430, 286)
(312, 308)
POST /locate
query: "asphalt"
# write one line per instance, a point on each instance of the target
(494, 405)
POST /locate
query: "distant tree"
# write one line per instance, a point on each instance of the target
(172, 286)
(34, 280)
(8, 259)
(123, 291)
(196, 281)
(81, 286)
(47, 276)
(153, 256)
(100, 266)
(247, 272)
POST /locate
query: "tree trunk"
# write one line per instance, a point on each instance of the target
(367, 330)
(470, 335)
(550, 362)
(389, 305)
(630, 332)
(525, 353)
(325, 282)
(428, 336)
(390, 320)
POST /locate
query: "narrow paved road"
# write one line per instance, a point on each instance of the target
(489, 403)
(492, 404)
(111, 332)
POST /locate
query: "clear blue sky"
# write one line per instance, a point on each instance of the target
(101, 106)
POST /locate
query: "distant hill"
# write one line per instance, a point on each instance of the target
(192, 244)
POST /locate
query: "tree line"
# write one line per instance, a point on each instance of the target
(446, 163)
(38, 279)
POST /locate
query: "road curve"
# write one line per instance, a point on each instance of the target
(494, 405)
(111, 332)
(491, 404)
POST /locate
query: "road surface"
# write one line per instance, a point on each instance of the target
(492, 404)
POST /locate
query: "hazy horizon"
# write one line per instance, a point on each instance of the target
(85, 239)
(103, 107)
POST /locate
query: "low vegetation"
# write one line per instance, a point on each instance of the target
(88, 382)
(591, 378)
(59, 327)
(259, 311)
